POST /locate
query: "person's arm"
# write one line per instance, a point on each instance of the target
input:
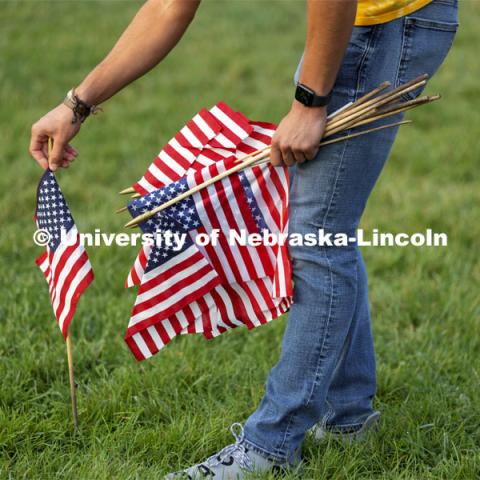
(329, 27)
(154, 31)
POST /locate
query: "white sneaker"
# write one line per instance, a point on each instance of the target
(233, 462)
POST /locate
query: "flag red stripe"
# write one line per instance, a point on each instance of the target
(87, 280)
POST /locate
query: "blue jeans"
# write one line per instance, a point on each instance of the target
(326, 370)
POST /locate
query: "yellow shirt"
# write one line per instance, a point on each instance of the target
(371, 12)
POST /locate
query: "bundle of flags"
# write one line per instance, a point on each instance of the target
(64, 264)
(209, 288)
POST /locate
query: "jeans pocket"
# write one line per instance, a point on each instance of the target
(425, 46)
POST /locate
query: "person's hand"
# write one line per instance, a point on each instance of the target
(298, 135)
(56, 124)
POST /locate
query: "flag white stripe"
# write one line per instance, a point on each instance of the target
(252, 251)
(158, 174)
(178, 276)
(184, 152)
(145, 184)
(142, 346)
(246, 302)
(81, 274)
(168, 328)
(205, 221)
(172, 300)
(226, 120)
(75, 255)
(155, 337)
(170, 264)
(254, 143)
(224, 141)
(228, 306)
(170, 283)
(264, 131)
(203, 126)
(191, 138)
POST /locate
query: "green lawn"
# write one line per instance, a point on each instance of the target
(140, 420)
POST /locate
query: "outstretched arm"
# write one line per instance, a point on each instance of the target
(329, 27)
(154, 31)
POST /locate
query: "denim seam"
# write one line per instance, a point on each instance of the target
(405, 49)
(363, 60)
(286, 434)
(265, 453)
(330, 414)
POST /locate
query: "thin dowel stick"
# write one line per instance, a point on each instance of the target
(363, 99)
(73, 387)
(403, 107)
(373, 114)
(370, 106)
(347, 137)
(126, 191)
(396, 92)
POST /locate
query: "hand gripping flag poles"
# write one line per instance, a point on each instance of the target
(370, 108)
(64, 264)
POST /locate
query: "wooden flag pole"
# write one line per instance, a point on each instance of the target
(73, 387)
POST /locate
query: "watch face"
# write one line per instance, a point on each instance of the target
(303, 96)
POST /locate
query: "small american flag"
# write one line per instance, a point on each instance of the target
(64, 264)
(237, 299)
(215, 288)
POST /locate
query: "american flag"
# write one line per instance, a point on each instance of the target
(252, 285)
(64, 264)
(225, 134)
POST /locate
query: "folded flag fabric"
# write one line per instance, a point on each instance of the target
(220, 127)
(64, 263)
(212, 288)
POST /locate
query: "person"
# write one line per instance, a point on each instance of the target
(325, 378)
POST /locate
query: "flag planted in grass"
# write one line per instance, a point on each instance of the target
(64, 263)
(210, 289)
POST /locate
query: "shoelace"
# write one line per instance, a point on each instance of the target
(236, 450)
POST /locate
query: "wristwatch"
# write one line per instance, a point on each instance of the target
(81, 110)
(309, 98)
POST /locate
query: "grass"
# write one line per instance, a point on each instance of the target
(140, 420)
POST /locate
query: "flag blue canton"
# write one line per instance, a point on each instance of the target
(182, 216)
(179, 218)
(52, 212)
(252, 203)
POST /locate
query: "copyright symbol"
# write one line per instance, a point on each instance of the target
(41, 237)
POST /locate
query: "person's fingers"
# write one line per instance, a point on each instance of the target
(299, 156)
(37, 142)
(287, 156)
(275, 156)
(56, 155)
(70, 149)
(69, 156)
(310, 153)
